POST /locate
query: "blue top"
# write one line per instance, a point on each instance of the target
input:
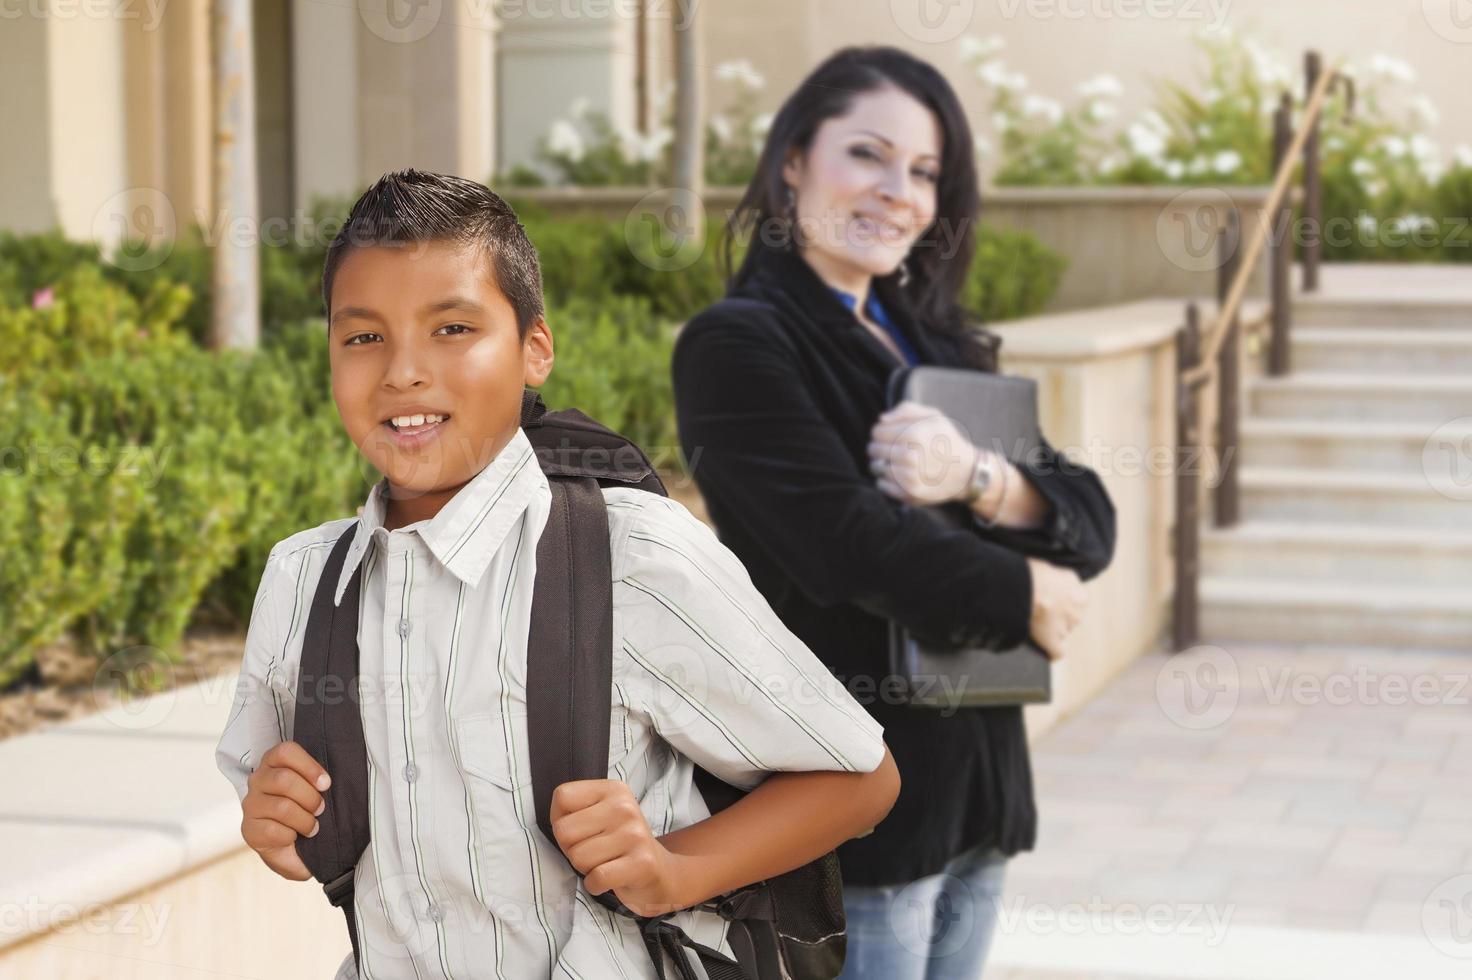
(876, 310)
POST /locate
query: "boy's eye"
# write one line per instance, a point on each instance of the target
(353, 340)
(460, 325)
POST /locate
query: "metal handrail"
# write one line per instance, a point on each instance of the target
(1217, 334)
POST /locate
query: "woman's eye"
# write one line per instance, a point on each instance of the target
(866, 153)
(929, 175)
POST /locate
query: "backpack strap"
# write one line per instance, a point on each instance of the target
(330, 729)
(569, 687)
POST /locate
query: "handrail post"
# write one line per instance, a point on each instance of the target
(1313, 197)
(1229, 243)
(1280, 241)
(1185, 616)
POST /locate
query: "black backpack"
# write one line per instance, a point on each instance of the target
(790, 927)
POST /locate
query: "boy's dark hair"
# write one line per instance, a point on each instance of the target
(406, 207)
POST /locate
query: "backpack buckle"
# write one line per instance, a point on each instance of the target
(340, 889)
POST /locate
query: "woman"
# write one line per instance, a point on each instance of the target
(862, 218)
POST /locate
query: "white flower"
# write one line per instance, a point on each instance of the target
(1375, 188)
(1101, 87)
(1423, 148)
(579, 107)
(1412, 222)
(1108, 164)
(975, 48)
(1203, 129)
(1423, 107)
(1227, 162)
(1174, 169)
(1000, 122)
(722, 127)
(1362, 168)
(1463, 155)
(563, 140)
(742, 73)
(995, 74)
(1268, 105)
(1394, 146)
(1144, 141)
(1432, 170)
(1211, 96)
(1034, 106)
(762, 124)
(1392, 68)
(645, 149)
(1100, 111)
(1334, 143)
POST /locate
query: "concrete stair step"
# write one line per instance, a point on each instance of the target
(1434, 398)
(1249, 609)
(1353, 496)
(1381, 349)
(1365, 554)
(1389, 310)
(1404, 447)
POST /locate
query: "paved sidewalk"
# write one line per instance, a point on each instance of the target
(1253, 812)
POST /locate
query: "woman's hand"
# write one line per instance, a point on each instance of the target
(1058, 601)
(599, 826)
(920, 456)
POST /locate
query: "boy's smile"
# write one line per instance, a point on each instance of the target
(428, 367)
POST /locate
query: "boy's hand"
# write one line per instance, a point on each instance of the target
(282, 801)
(599, 826)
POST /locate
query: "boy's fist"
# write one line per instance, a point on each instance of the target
(282, 800)
(599, 826)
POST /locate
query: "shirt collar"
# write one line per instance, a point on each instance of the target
(466, 532)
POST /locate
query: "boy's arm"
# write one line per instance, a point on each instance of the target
(816, 812)
(260, 714)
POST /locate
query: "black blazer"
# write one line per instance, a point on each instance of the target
(775, 401)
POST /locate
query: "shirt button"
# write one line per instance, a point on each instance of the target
(411, 772)
(403, 627)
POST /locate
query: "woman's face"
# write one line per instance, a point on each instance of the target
(866, 189)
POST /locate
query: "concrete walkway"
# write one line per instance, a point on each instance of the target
(1253, 813)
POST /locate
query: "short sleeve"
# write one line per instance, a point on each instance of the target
(722, 679)
(258, 715)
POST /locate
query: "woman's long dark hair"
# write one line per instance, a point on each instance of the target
(939, 261)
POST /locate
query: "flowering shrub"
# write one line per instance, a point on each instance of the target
(1388, 194)
(587, 150)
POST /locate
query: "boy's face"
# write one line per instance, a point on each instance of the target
(424, 330)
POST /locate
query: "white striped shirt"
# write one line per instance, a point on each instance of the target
(458, 881)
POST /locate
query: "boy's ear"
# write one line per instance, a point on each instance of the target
(536, 353)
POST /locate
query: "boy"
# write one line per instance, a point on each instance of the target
(435, 325)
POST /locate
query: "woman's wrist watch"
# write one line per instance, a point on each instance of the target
(982, 475)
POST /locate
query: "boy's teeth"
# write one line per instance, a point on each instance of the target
(411, 421)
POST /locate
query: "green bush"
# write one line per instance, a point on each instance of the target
(1012, 275)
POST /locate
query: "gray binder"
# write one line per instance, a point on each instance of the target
(997, 412)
